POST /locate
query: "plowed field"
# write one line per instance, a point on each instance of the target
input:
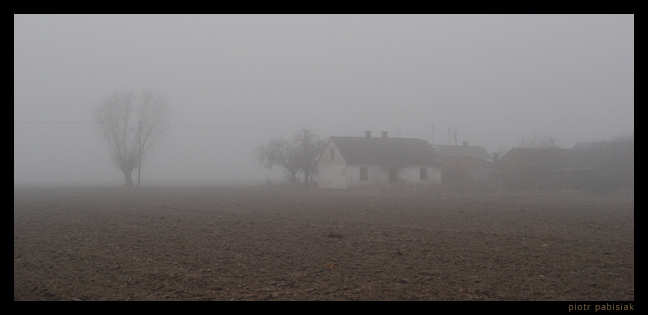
(277, 243)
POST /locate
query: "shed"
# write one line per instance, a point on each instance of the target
(547, 168)
(463, 165)
(478, 152)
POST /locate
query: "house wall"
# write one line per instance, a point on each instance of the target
(331, 173)
(336, 174)
(375, 175)
(380, 175)
(342, 177)
(412, 175)
(514, 172)
(466, 170)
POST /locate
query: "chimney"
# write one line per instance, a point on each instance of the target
(368, 134)
(465, 144)
(384, 134)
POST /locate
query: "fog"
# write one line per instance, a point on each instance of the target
(236, 81)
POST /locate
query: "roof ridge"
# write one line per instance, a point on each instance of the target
(388, 151)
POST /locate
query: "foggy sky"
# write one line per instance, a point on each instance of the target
(236, 81)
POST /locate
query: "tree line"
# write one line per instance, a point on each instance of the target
(131, 124)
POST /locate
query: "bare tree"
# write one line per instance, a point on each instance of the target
(279, 153)
(535, 143)
(131, 126)
(297, 155)
(310, 146)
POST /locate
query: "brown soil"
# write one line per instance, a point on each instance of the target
(275, 243)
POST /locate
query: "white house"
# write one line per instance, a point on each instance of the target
(364, 161)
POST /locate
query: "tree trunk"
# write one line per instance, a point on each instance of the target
(129, 178)
(307, 178)
(293, 178)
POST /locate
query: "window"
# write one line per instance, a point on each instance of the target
(423, 173)
(364, 173)
(332, 153)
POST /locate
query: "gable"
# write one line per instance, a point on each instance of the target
(326, 158)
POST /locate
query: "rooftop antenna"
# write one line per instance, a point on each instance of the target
(432, 131)
(450, 135)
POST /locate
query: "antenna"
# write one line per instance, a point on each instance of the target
(432, 131)
(450, 135)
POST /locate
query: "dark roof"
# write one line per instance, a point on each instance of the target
(391, 152)
(598, 145)
(460, 150)
(552, 158)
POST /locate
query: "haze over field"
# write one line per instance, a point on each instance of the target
(236, 81)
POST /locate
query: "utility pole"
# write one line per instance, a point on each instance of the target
(449, 133)
(432, 139)
(139, 152)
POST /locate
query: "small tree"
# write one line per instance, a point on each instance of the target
(297, 155)
(131, 126)
(535, 143)
(280, 153)
(309, 148)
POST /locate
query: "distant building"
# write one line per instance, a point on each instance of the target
(364, 161)
(444, 151)
(547, 168)
(587, 145)
(616, 160)
(464, 165)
